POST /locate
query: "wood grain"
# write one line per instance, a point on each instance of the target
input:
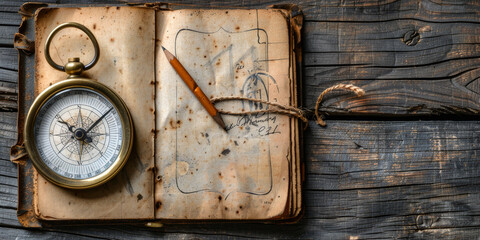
(8, 79)
(364, 179)
(439, 75)
(362, 42)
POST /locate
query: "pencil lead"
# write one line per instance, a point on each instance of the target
(163, 48)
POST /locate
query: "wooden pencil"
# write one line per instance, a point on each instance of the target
(192, 85)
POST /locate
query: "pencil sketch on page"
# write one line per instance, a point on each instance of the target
(231, 63)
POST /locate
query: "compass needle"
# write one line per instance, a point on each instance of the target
(79, 117)
(70, 128)
(61, 134)
(99, 120)
(95, 134)
(80, 150)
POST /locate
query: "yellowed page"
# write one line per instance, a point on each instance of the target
(203, 171)
(126, 39)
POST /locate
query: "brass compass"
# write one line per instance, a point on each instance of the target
(78, 132)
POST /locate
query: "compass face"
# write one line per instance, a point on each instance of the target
(78, 133)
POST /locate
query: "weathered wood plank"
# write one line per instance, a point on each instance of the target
(438, 75)
(6, 35)
(425, 152)
(375, 178)
(8, 133)
(373, 10)
(9, 21)
(8, 172)
(8, 79)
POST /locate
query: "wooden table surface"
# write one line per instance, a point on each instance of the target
(401, 162)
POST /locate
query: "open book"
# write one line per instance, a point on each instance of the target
(183, 166)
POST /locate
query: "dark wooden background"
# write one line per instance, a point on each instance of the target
(401, 162)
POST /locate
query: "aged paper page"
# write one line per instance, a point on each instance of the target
(126, 39)
(204, 172)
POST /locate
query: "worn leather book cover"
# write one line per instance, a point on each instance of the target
(183, 168)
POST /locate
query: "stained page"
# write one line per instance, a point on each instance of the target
(126, 65)
(204, 172)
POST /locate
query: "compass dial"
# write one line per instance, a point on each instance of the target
(79, 133)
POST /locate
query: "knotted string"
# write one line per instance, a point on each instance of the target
(277, 108)
(288, 110)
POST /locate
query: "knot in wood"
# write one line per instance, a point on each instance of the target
(411, 38)
(423, 222)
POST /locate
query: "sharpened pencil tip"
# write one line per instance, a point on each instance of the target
(225, 129)
(163, 48)
(220, 122)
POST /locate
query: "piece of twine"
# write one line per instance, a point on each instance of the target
(348, 87)
(288, 110)
(277, 108)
